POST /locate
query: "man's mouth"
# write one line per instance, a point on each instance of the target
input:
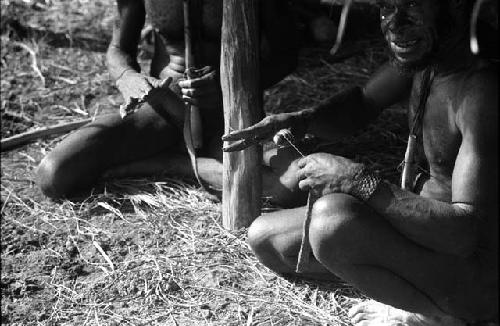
(404, 46)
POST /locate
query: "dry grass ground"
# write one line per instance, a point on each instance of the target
(144, 252)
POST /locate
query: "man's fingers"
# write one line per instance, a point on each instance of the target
(187, 92)
(190, 100)
(197, 82)
(159, 83)
(301, 163)
(244, 139)
(241, 134)
(165, 83)
(185, 83)
(261, 129)
(238, 145)
(304, 185)
(301, 174)
(197, 92)
(204, 70)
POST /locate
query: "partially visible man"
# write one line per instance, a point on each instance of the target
(427, 254)
(150, 141)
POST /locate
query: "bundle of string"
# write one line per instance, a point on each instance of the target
(305, 246)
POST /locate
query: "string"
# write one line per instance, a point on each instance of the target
(290, 139)
(305, 246)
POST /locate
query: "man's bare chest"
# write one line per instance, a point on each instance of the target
(440, 139)
(168, 17)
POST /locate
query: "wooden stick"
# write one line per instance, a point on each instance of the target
(24, 138)
(305, 246)
(342, 26)
(407, 177)
(242, 99)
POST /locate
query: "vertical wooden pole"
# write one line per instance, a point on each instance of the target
(242, 181)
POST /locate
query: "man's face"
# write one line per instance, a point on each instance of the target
(411, 30)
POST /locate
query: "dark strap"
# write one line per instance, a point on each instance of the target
(409, 167)
(425, 88)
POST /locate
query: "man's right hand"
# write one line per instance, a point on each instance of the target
(136, 88)
(266, 129)
(134, 85)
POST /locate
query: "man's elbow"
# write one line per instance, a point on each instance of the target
(465, 234)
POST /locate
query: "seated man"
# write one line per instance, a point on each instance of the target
(150, 140)
(426, 253)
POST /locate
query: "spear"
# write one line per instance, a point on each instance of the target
(192, 124)
(192, 120)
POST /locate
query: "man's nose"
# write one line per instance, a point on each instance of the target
(399, 21)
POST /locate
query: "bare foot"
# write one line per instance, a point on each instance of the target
(373, 313)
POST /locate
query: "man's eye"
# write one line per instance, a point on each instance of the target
(412, 4)
(385, 6)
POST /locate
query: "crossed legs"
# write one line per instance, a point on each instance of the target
(148, 143)
(350, 240)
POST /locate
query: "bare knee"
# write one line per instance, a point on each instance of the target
(49, 178)
(335, 221)
(261, 238)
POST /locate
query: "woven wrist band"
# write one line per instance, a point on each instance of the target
(364, 184)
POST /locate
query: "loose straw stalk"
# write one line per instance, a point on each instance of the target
(32, 135)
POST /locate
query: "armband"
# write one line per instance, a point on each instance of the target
(364, 184)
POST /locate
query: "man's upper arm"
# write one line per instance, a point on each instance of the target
(128, 25)
(476, 167)
(387, 87)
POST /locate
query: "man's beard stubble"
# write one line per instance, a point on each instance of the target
(409, 69)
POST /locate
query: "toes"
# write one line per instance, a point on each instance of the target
(363, 323)
(356, 309)
(362, 313)
(360, 318)
(366, 306)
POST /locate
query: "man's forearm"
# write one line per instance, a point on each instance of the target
(440, 226)
(118, 62)
(340, 115)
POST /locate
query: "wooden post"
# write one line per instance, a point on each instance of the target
(242, 181)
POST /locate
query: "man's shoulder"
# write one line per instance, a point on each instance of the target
(477, 96)
(481, 79)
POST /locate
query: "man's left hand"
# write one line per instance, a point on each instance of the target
(202, 89)
(325, 173)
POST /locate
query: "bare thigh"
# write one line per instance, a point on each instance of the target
(356, 243)
(80, 159)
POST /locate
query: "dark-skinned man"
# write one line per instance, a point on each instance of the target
(427, 254)
(150, 140)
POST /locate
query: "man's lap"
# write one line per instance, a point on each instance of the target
(367, 238)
